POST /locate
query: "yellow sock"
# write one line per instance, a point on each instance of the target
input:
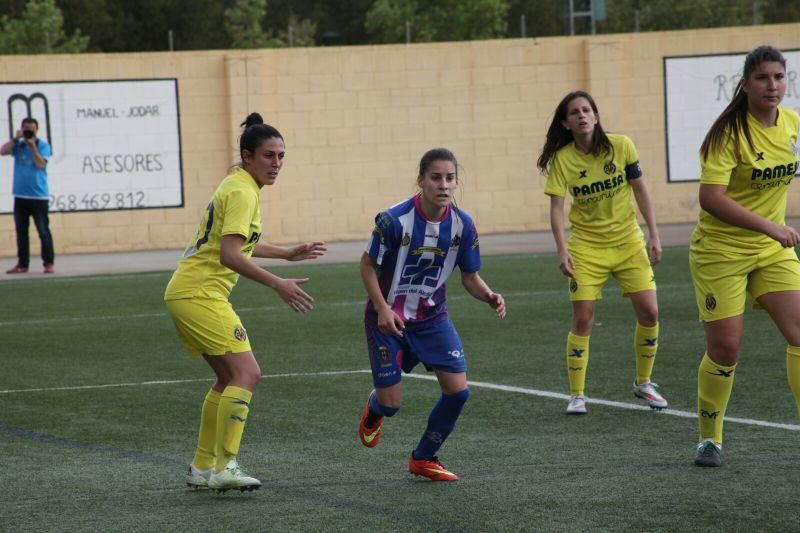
(577, 361)
(645, 345)
(204, 457)
(793, 372)
(231, 417)
(714, 384)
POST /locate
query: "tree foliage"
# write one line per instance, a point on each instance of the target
(303, 32)
(39, 29)
(144, 25)
(542, 18)
(445, 20)
(244, 22)
(655, 15)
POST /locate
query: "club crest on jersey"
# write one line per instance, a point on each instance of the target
(406, 240)
(610, 168)
(377, 231)
(573, 285)
(239, 334)
(456, 241)
(795, 147)
(711, 302)
(383, 353)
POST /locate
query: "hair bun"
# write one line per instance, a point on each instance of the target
(252, 119)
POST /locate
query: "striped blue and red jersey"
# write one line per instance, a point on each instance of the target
(416, 255)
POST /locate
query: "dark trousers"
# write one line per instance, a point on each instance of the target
(24, 208)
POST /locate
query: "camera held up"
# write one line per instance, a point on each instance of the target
(28, 134)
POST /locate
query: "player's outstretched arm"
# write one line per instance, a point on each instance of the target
(481, 291)
(230, 255)
(301, 252)
(388, 321)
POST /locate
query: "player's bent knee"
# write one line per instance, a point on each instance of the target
(648, 317)
(461, 396)
(582, 324)
(724, 353)
(248, 378)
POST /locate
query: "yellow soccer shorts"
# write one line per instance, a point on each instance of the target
(627, 262)
(208, 326)
(723, 278)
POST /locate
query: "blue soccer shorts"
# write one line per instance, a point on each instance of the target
(438, 347)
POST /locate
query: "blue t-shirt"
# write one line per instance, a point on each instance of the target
(415, 256)
(30, 181)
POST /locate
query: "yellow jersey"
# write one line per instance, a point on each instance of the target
(758, 180)
(602, 213)
(235, 209)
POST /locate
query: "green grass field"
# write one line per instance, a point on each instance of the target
(99, 409)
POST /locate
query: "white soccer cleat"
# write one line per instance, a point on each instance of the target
(232, 477)
(647, 392)
(198, 479)
(576, 405)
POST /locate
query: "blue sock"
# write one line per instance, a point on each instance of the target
(378, 409)
(441, 423)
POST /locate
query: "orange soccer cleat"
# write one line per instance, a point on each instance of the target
(431, 469)
(369, 436)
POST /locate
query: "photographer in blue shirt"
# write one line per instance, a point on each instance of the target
(31, 194)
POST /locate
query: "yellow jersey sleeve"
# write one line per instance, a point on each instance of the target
(556, 184)
(757, 178)
(238, 207)
(629, 153)
(233, 210)
(719, 167)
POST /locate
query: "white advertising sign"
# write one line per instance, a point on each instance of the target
(697, 89)
(116, 144)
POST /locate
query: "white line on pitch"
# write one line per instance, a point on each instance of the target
(427, 377)
(350, 303)
(610, 403)
(178, 381)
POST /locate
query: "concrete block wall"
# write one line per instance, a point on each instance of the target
(357, 119)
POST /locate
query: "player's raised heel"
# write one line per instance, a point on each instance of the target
(232, 477)
(431, 469)
(198, 479)
(647, 392)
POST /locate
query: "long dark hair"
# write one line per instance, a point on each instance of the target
(255, 133)
(734, 116)
(558, 136)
